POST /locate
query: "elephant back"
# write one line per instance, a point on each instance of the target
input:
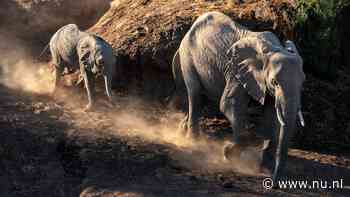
(65, 42)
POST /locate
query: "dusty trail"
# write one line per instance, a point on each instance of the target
(54, 148)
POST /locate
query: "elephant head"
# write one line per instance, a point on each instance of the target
(103, 56)
(92, 53)
(265, 66)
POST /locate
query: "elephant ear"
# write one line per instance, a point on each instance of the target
(249, 55)
(84, 53)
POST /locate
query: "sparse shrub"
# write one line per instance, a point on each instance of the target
(232, 3)
(316, 35)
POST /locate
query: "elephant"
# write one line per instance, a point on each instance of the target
(70, 47)
(231, 64)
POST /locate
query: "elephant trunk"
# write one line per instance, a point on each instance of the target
(97, 69)
(287, 109)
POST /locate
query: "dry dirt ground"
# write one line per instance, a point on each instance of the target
(50, 147)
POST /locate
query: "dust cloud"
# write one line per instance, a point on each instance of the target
(200, 154)
(19, 71)
(26, 76)
(133, 118)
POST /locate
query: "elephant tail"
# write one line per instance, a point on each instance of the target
(42, 52)
(175, 100)
(177, 72)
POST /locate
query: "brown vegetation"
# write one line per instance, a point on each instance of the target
(146, 33)
(33, 22)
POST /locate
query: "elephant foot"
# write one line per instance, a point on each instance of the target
(56, 92)
(89, 108)
(53, 92)
(282, 175)
(193, 134)
(267, 163)
(111, 103)
(266, 171)
(232, 151)
(174, 102)
(182, 129)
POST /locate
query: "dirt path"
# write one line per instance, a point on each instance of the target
(50, 147)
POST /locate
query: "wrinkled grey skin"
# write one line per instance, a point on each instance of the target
(71, 47)
(231, 64)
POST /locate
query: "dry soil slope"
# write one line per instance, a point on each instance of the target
(33, 22)
(146, 33)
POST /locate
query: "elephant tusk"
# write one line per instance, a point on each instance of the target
(301, 118)
(80, 79)
(279, 117)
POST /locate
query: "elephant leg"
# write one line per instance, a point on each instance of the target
(90, 88)
(58, 68)
(193, 87)
(183, 125)
(108, 86)
(58, 74)
(268, 131)
(234, 105)
(193, 113)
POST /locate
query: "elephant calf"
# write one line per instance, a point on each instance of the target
(230, 64)
(71, 47)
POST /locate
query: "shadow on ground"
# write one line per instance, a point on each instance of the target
(49, 147)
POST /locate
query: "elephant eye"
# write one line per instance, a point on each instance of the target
(274, 82)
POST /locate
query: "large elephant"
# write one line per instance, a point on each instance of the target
(71, 47)
(231, 64)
